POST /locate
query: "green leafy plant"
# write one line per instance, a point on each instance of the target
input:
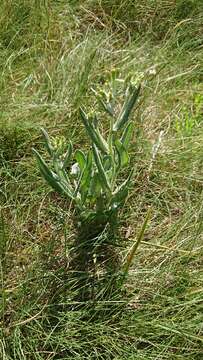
(92, 181)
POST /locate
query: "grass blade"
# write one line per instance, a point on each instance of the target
(132, 252)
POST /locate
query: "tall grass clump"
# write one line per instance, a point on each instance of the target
(157, 19)
(97, 184)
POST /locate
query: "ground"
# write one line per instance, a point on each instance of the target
(51, 54)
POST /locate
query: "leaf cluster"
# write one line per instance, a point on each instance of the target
(91, 179)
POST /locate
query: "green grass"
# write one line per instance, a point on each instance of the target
(47, 64)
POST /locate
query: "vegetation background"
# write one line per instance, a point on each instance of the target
(47, 65)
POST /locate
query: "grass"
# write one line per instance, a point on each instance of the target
(45, 77)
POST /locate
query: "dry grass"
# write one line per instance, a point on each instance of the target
(45, 76)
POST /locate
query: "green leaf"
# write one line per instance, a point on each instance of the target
(94, 133)
(61, 172)
(95, 188)
(102, 175)
(127, 135)
(127, 108)
(48, 145)
(95, 121)
(86, 177)
(106, 105)
(52, 179)
(68, 155)
(101, 142)
(87, 171)
(107, 162)
(81, 159)
(120, 194)
(123, 157)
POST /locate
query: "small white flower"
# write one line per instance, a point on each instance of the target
(114, 206)
(75, 169)
(152, 71)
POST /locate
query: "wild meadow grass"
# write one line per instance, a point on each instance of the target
(51, 54)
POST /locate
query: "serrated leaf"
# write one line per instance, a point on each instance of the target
(81, 159)
(127, 135)
(94, 133)
(127, 108)
(102, 175)
(123, 157)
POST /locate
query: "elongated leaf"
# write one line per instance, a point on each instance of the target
(127, 108)
(127, 134)
(107, 162)
(59, 166)
(121, 192)
(68, 154)
(87, 171)
(61, 172)
(44, 167)
(123, 156)
(51, 177)
(48, 145)
(106, 106)
(81, 159)
(102, 175)
(86, 177)
(95, 121)
(94, 133)
(100, 140)
(95, 187)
